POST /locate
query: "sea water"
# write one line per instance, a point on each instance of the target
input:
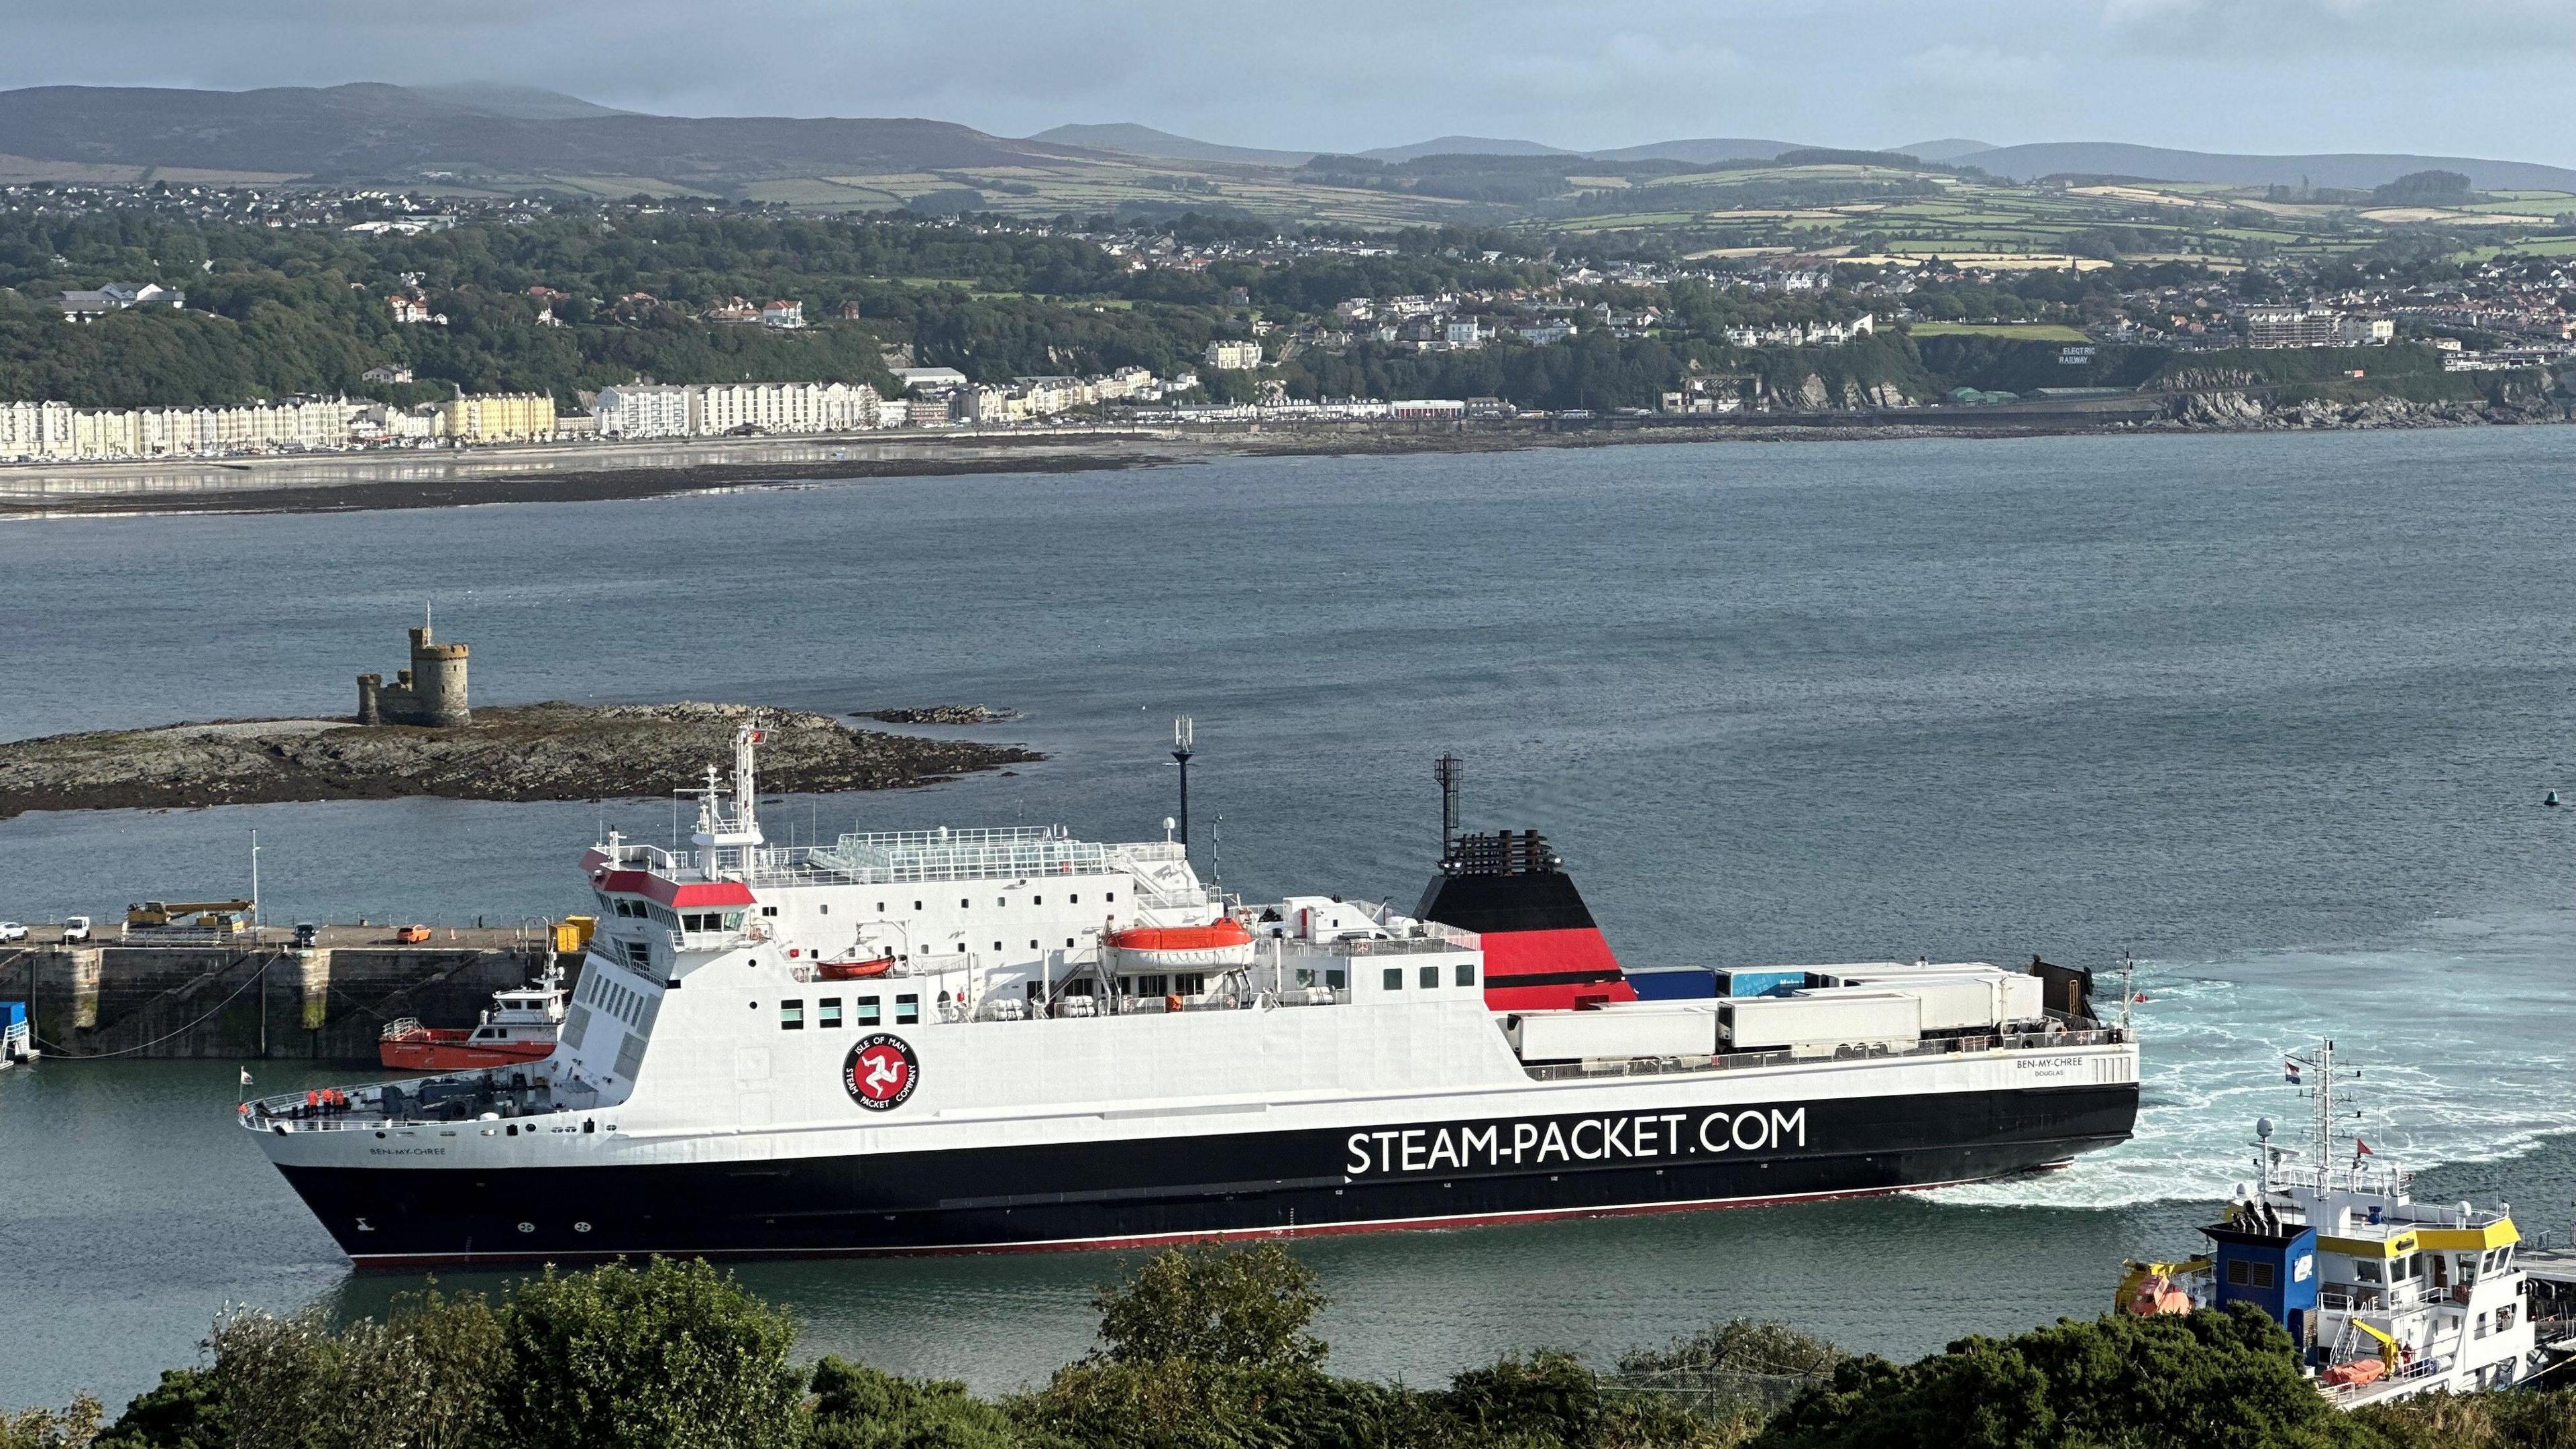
(2273, 716)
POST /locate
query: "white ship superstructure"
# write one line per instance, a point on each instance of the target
(975, 1039)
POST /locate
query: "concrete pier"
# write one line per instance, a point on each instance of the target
(259, 995)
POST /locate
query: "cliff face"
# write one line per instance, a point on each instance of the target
(2229, 410)
(525, 752)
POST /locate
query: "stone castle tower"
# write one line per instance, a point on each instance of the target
(431, 692)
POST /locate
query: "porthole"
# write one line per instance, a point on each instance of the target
(581, 1227)
(527, 1227)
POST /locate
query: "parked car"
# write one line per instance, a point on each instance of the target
(12, 931)
(306, 933)
(76, 928)
(412, 935)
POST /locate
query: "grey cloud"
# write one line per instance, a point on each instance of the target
(1350, 74)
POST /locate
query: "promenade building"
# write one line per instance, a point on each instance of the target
(498, 417)
(1233, 356)
(647, 410)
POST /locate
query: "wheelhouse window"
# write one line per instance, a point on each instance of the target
(638, 954)
(867, 1011)
(1466, 973)
(791, 1016)
(1430, 978)
(1394, 979)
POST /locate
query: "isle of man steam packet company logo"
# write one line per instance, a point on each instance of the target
(881, 1072)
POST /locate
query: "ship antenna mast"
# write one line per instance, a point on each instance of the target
(1184, 731)
(746, 780)
(1450, 773)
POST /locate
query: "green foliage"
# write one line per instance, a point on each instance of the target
(671, 1356)
(68, 1428)
(1243, 1307)
(2530, 1419)
(1211, 1349)
(2424, 188)
(858, 1407)
(302, 309)
(2207, 1381)
(421, 1377)
(183, 1411)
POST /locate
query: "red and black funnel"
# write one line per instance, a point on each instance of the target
(1542, 950)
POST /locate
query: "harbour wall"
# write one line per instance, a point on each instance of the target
(257, 999)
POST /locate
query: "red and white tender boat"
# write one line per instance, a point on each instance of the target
(521, 1026)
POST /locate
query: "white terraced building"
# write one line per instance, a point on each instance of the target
(699, 410)
(646, 410)
(59, 432)
(786, 407)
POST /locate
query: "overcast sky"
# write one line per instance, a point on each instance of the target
(2465, 77)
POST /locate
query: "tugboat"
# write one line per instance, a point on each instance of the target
(2386, 1297)
(519, 1027)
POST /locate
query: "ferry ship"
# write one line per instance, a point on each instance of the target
(2384, 1296)
(992, 1039)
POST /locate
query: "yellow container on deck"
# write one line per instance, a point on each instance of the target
(572, 934)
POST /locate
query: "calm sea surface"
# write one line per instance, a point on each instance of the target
(2274, 714)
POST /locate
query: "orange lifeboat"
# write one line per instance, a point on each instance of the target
(853, 970)
(1221, 942)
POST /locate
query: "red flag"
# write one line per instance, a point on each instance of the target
(2361, 1148)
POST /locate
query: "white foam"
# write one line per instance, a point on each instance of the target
(2460, 1032)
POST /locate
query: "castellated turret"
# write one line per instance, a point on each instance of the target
(431, 692)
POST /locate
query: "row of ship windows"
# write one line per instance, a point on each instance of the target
(685, 921)
(964, 903)
(1430, 976)
(868, 1012)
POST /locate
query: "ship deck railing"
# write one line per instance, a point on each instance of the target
(367, 1109)
(1782, 1057)
(907, 857)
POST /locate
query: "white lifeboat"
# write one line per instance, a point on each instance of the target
(1220, 943)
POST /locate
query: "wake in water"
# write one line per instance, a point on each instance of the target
(2459, 1034)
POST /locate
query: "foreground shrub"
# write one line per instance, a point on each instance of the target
(858, 1407)
(2204, 1381)
(672, 1356)
(69, 1428)
(2528, 1419)
(667, 1356)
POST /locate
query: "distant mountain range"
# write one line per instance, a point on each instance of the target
(387, 133)
(2360, 170)
(1135, 140)
(2019, 163)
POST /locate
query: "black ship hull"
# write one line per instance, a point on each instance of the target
(1194, 1184)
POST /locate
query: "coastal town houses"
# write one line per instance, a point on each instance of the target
(700, 410)
(499, 417)
(1225, 356)
(646, 410)
(59, 432)
(86, 306)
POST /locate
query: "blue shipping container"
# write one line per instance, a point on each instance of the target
(1673, 983)
(1759, 983)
